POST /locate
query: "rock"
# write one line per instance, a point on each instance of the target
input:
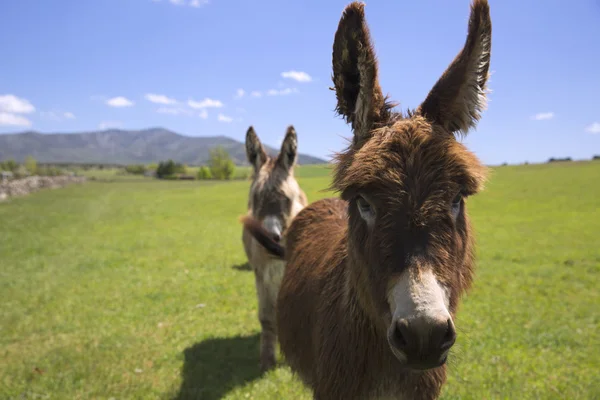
(30, 184)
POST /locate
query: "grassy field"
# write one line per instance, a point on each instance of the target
(241, 172)
(140, 290)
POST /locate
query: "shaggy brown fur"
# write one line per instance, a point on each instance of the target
(274, 199)
(373, 280)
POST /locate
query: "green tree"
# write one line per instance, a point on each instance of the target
(180, 168)
(31, 165)
(10, 165)
(221, 164)
(204, 173)
(166, 169)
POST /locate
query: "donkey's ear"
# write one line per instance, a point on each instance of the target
(359, 97)
(289, 149)
(459, 96)
(254, 150)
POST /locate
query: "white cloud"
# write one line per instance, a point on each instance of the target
(110, 124)
(543, 116)
(593, 128)
(56, 116)
(256, 93)
(119, 101)
(224, 118)
(12, 104)
(198, 3)
(297, 76)
(205, 103)
(203, 114)
(10, 107)
(174, 111)
(282, 92)
(160, 99)
(191, 3)
(239, 93)
(9, 119)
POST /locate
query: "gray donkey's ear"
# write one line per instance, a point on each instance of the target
(289, 149)
(255, 152)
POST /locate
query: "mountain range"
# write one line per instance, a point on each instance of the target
(116, 146)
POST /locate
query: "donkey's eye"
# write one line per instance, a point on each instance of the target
(366, 210)
(456, 204)
(363, 205)
(457, 199)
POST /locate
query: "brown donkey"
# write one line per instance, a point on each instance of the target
(275, 198)
(373, 280)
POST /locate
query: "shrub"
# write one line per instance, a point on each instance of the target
(566, 159)
(9, 165)
(31, 165)
(204, 173)
(49, 171)
(180, 168)
(221, 164)
(21, 172)
(138, 169)
(165, 168)
(168, 169)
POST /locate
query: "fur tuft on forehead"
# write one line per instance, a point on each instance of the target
(411, 154)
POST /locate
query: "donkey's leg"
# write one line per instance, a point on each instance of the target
(268, 280)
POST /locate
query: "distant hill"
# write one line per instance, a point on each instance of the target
(116, 146)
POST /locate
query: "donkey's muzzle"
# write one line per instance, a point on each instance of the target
(422, 343)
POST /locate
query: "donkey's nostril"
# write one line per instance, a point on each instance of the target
(450, 336)
(398, 335)
(276, 237)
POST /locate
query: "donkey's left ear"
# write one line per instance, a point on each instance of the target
(289, 149)
(459, 96)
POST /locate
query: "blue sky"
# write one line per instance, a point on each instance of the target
(72, 65)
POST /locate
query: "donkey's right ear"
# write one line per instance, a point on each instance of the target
(255, 152)
(359, 97)
(458, 98)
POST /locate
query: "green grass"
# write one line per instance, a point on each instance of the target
(139, 290)
(241, 172)
(108, 174)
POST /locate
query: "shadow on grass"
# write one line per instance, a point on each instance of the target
(243, 267)
(213, 367)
